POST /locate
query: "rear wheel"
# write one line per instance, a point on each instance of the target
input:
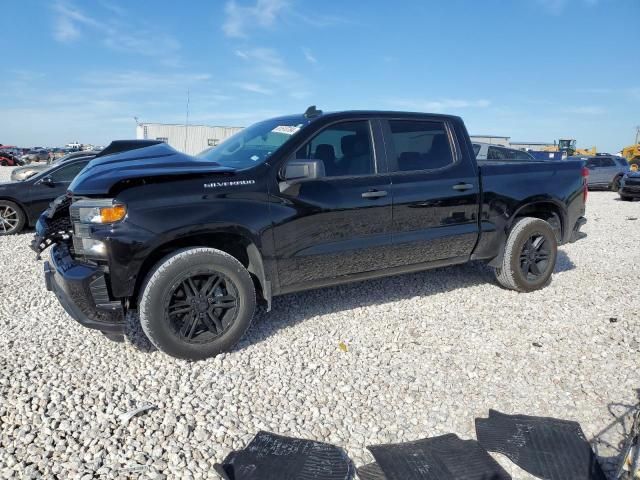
(12, 218)
(625, 198)
(4, 163)
(529, 256)
(197, 303)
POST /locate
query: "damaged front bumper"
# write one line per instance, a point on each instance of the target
(82, 291)
(81, 287)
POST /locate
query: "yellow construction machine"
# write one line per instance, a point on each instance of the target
(632, 153)
(568, 148)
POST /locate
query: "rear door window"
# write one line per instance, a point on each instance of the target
(593, 163)
(419, 145)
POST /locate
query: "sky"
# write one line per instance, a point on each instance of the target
(534, 70)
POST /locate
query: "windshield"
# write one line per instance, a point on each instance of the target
(254, 144)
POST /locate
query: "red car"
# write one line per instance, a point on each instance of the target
(8, 160)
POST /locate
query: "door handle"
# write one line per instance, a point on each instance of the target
(461, 187)
(374, 194)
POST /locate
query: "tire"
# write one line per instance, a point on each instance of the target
(213, 300)
(615, 185)
(114, 337)
(12, 218)
(625, 198)
(511, 273)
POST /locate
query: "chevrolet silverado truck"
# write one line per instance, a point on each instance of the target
(186, 246)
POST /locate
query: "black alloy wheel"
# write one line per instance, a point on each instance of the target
(196, 303)
(534, 257)
(202, 306)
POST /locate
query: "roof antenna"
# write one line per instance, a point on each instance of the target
(312, 111)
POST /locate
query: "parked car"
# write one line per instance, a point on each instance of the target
(9, 160)
(22, 173)
(630, 186)
(187, 245)
(22, 202)
(36, 156)
(486, 151)
(604, 171)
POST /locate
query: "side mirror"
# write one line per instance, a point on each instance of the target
(303, 170)
(48, 181)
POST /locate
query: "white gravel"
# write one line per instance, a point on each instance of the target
(426, 354)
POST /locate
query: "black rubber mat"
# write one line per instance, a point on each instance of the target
(275, 457)
(439, 458)
(548, 448)
(371, 471)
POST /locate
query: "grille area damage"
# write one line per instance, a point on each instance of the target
(54, 225)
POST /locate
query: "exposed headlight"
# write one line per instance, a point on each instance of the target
(100, 213)
(93, 247)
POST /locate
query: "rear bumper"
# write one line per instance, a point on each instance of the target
(576, 233)
(81, 290)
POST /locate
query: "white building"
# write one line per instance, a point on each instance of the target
(191, 139)
(536, 146)
(491, 139)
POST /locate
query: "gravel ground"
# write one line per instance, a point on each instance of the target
(426, 354)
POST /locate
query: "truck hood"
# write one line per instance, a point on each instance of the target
(146, 160)
(633, 174)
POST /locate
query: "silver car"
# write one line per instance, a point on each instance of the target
(486, 151)
(22, 173)
(605, 171)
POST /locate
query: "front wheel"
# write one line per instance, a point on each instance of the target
(529, 256)
(12, 218)
(196, 303)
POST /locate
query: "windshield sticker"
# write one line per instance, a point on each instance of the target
(229, 184)
(286, 129)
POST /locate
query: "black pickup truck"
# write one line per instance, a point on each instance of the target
(187, 246)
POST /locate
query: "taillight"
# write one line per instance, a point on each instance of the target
(585, 179)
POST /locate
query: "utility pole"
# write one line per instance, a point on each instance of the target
(186, 124)
(637, 135)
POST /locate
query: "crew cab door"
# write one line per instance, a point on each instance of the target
(338, 222)
(50, 186)
(435, 191)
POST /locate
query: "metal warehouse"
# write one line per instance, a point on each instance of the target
(491, 139)
(191, 139)
(532, 145)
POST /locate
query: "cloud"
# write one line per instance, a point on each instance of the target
(436, 106)
(309, 56)
(267, 65)
(254, 88)
(242, 19)
(70, 23)
(635, 93)
(584, 110)
(557, 7)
